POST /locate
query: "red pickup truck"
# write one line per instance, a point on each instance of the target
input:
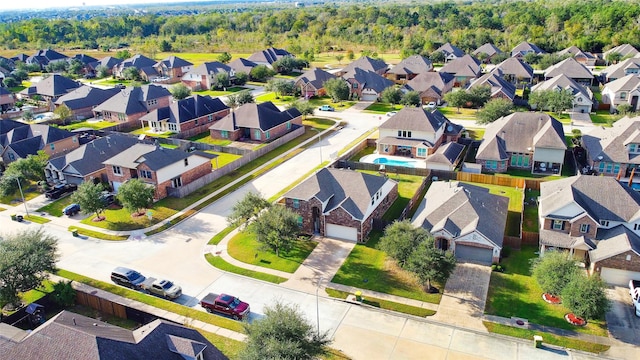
(225, 304)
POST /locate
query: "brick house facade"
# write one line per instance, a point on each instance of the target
(256, 134)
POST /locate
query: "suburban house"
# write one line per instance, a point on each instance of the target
(82, 100)
(84, 59)
(572, 69)
(51, 88)
(157, 166)
(524, 48)
(128, 106)
(516, 71)
(107, 62)
(614, 151)
(7, 99)
(44, 57)
(625, 50)
(72, 336)
(366, 85)
(584, 58)
(500, 88)
(311, 82)
(626, 67)
(365, 63)
(256, 122)
(465, 219)
(190, 116)
(173, 68)
(412, 132)
(409, 68)
(446, 157)
(204, 76)
(140, 62)
(488, 49)
(340, 203)
(242, 65)
(20, 57)
(20, 141)
(463, 69)
(450, 52)
(523, 140)
(431, 85)
(582, 95)
(268, 56)
(85, 162)
(596, 220)
(624, 90)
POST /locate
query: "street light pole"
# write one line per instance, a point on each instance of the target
(318, 305)
(319, 143)
(22, 194)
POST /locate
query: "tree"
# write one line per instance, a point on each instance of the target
(240, 98)
(63, 293)
(305, 107)
(241, 78)
(287, 64)
(222, 79)
(391, 95)
(26, 259)
(280, 87)
(493, 110)
(10, 82)
(23, 170)
(560, 100)
(539, 100)
(135, 195)
(457, 99)
(337, 89)
(224, 58)
(411, 98)
(88, 196)
(277, 228)
(585, 296)
(20, 75)
(613, 57)
(479, 95)
(531, 58)
(164, 46)
(261, 73)
(27, 115)
(102, 71)
(339, 57)
(437, 57)
(350, 55)
(180, 91)
(283, 333)
(245, 211)
(131, 73)
(553, 271)
(63, 112)
(624, 109)
(123, 54)
(430, 263)
(400, 239)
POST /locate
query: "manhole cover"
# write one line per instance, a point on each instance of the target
(520, 322)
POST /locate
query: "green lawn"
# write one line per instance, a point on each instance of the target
(315, 101)
(149, 132)
(316, 123)
(96, 125)
(278, 100)
(382, 108)
(530, 220)
(229, 347)
(36, 219)
(452, 113)
(244, 247)
(364, 152)
(121, 219)
(15, 198)
(563, 117)
(369, 268)
(222, 159)
(476, 134)
(169, 146)
(98, 235)
(407, 187)
(112, 81)
(216, 93)
(516, 293)
(219, 262)
(55, 208)
(384, 304)
(206, 138)
(604, 118)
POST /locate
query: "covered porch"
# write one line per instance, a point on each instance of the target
(412, 148)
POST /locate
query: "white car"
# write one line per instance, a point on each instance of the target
(431, 105)
(391, 113)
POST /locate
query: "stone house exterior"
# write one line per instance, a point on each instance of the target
(256, 122)
(595, 219)
(341, 203)
(132, 103)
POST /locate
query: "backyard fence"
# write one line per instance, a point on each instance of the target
(491, 179)
(103, 305)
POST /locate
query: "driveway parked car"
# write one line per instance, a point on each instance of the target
(431, 105)
(71, 210)
(59, 190)
(326, 108)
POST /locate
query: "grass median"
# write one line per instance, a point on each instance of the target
(385, 304)
(97, 234)
(219, 262)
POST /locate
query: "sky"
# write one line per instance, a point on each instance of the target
(41, 4)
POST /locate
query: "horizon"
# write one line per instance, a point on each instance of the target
(47, 4)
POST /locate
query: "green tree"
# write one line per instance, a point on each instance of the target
(457, 99)
(437, 57)
(24, 170)
(88, 196)
(339, 57)
(277, 229)
(400, 239)
(411, 98)
(280, 87)
(283, 333)
(180, 91)
(560, 100)
(135, 195)
(539, 100)
(63, 113)
(531, 58)
(613, 57)
(479, 95)
(164, 46)
(63, 293)
(20, 75)
(245, 211)
(123, 54)
(585, 296)
(391, 95)
(222, 79)
(429, 263)
(337, 89)
(131, 73)
(224, 58)
(241, 78)
(304, 106)
(261, 73)
(350, 55)
(553, 271)
(26, 260)
(27, 115)
(11, 82)
(102, 71)
(624, 109)
(493, 110)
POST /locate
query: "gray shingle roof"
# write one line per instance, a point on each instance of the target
(575, 52)
(84, 58)
(86, 96)
(625, 83)
(564, 82)
(497, 83)
(208, 68)
(463, 66)
(242, 65)
(525, 47)
(173, 61)
(366, 63)
(350, 190)
(187, 109)
(132, 100)
(255, 116)
(570, 68)
(487, 48)
(446, 154)
(614, 241)
(269, 55)
(608, 144)
(414, 119)
(315, 76)
(516, 67)
(449, 49)
(414, 64)
(369, 79)
(616, 71)
(107, 61)
(52, 86)
(28, 139)
(138, 61)
(430, 80)
(624, 50)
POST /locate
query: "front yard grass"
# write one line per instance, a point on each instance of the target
(516, 293)
(548, 338)
(382, 108)
(206, 138)
(369, 268)
(55, 208)
(219, 263)
(216, 93)
(36, 219)
(604, 117)
(385, 304)
(15, 198)
(121, 219)
(244, 247)
(222, 159)
(452, 113)
(98, 235)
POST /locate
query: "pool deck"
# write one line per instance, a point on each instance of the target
(416, 163)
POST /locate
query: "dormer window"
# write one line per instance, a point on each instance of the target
(633, 148)
(604, 223)
(186, 162)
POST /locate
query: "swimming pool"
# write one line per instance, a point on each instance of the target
(393, 161)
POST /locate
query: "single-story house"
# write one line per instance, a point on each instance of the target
(516, 71)
(128, 106)
(583, 57)
(242, 65)
(572, 69)
(44, 57)
(139, 62)
(623, 68)
(464, 69)
(108, 62)
(7, 99)
(625, 90)
(365, 63)
(625, 50)
(366, 85)
(524, 48)
(450, 52)
(488, 49)
(269, 56)
(500, 88)
(51, 88)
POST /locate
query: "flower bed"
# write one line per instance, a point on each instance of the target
(551, 299)
(574, 320)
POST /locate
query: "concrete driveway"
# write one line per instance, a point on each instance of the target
(464, 296)
(621, 320)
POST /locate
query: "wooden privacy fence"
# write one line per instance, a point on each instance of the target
(491, 179)
(102, 305)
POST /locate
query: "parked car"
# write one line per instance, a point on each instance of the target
(634, 291)
(391, 113)
(59, 190)
(163, 288)
(71, 209)
(107, 198)
(431, 105)
(326, 108)
(120, 86)
(225, 304)
(127, 277)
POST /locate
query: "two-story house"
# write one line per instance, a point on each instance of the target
(311, 82)
(409, 68)
(499, 87)
(366, 85)
(339, 203)
(107, 62)
(84, 99)
(143, 64)
(173, 68)
(583, 57)
(127, 107)
(597, 220)
(44, 57)
(432, 86)
(625, 90)
(582, 95)
(523, 140)
(486, 52)
(204, 76)
(464, 69)
(51, 88)
(7, 99)
(19, 140)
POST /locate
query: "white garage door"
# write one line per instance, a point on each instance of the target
(342, 232)
(474, 254)
(618, 277)
(369, 97)
(116, 185)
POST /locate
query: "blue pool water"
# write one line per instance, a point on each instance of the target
(394, 162)
(635, 186)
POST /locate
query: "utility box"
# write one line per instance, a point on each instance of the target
(537, 341)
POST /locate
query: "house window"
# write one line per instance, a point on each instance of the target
(300, 222)
(117, 170)
(121, 117)
(224, 134)
(288, 125)
(422, 152)
(399, 133)
(196, 122)
(491, 164)
(186, 162)
(385, 148)
(636, 226)
(145, 174)
(609, 167)
(604, 223)
(616, 168)
(12, 157)
(558, 224)
(177, 182)
(256, 134)
(296, 203)
(152, 102)
(210, 117)
(601, 167)
(623, 95)
(354, 85)
(52, 146)
(632, 148)
(584, 228)
(267, 135)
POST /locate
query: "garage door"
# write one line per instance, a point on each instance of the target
(342, 232)
(116, 185)
(369, 97)
(474, 254)
(618, 277)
